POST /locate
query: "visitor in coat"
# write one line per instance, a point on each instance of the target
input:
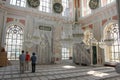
(33, 61)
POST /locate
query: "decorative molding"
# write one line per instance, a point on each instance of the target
(115, 17)
(33, 3)
(83, 28)
(93, 4)
(104, 21)
(91, 26)
(36, 13)
(87, 27)
(9, 19)
(57, 7)
(100, 13)
(57, 1)
(22, 21)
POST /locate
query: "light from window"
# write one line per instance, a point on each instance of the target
(45, 6)
(14, 40)
(65, 53)
(21, 3)
(66, 8)
(115, 48)
(105, 2)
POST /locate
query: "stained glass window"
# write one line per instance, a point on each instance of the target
(115, 48)
(14, 40)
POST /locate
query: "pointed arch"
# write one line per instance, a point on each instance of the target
(14, 40)
(111, 30)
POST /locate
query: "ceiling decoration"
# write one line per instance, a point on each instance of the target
(93, 4)
(33, 3)
(57, 7)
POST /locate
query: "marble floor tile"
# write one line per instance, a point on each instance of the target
(57, 72)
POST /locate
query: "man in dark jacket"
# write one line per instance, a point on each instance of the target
(33, 59)
(22, 62)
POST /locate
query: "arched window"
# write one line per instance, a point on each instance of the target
(116, 46)
(14, 40)
(45, 6)
(21, 3)
(114, 50)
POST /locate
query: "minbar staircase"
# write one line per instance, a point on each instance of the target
(81, 55)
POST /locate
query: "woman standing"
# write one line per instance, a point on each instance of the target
(27, 60)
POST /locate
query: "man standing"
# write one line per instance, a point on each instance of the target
(33, 59)
(27, 60)
(22, 62)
